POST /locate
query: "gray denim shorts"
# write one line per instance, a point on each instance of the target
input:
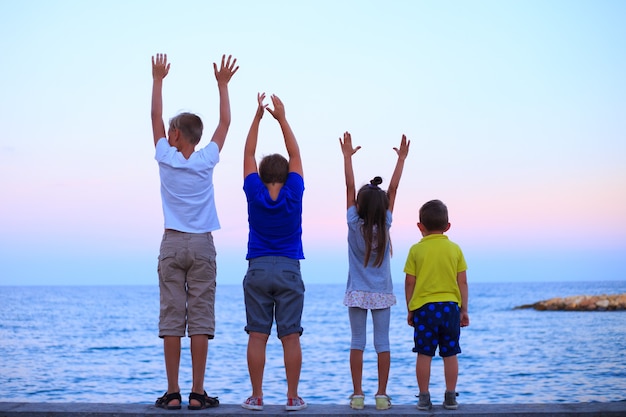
(187, 281)
(273, 288)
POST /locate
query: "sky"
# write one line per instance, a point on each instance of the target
(516, 113)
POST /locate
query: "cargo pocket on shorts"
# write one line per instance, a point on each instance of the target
(204, 270)
(166, 259)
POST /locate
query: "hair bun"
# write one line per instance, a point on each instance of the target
(376, 181)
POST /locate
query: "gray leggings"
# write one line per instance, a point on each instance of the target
(358, 319)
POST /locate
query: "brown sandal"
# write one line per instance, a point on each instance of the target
(164, 401)
(204, 400)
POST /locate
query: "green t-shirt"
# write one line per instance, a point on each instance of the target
(435, 262)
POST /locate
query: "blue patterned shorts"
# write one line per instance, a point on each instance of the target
(437, 324)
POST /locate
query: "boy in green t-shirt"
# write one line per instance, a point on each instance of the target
(436, 299)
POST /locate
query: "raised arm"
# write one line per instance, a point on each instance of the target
(402, 152)
(295, 161)
(249, 150)
(223, 75)
(160, 68)
(348, 151)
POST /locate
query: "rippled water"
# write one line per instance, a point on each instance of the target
(100, 344)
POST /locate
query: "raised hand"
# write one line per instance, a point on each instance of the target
(279, 108)
(260, 97)
(160, 67)
(226, 71)
(403, 151)
(346, 145)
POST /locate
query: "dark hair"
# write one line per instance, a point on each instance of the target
(190, 125)
(372, 204)
(274, 168)
(434, 215)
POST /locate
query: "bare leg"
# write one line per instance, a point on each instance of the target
(293, 362)
(257, 343)
(356, 368)
(451, 372)
(422, 370)
(384, 363)
(199, 351)
(171, 350)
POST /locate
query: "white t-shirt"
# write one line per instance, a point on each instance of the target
(187, 188)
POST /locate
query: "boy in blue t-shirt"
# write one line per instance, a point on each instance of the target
(273, 286)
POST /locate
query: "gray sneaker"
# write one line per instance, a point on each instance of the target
(424, 403)
(449, 400)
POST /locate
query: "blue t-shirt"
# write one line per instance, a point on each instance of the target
(371, 278)
(275, 225)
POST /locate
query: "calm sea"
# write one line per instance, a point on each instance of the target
(100, 344)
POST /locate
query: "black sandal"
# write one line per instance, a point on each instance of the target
(164, 401)
(204, 400)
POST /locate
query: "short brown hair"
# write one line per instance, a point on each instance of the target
(434, 215)
(190, 125)
(274, 168)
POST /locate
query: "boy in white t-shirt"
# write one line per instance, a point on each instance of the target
(187, 268)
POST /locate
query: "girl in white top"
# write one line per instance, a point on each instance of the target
(369, 284)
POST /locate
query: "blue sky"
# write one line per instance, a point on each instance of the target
(516, 112)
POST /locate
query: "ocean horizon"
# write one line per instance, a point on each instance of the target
(100, 344)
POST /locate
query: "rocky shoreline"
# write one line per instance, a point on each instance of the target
(603, 302)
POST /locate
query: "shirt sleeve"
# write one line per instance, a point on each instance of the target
(295, 186)
(211, 154)
(162, 149)
(352, 215)
(409, 265)
(462, 265)
(251, 185)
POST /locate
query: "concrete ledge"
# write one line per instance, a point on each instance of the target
(14, 409)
